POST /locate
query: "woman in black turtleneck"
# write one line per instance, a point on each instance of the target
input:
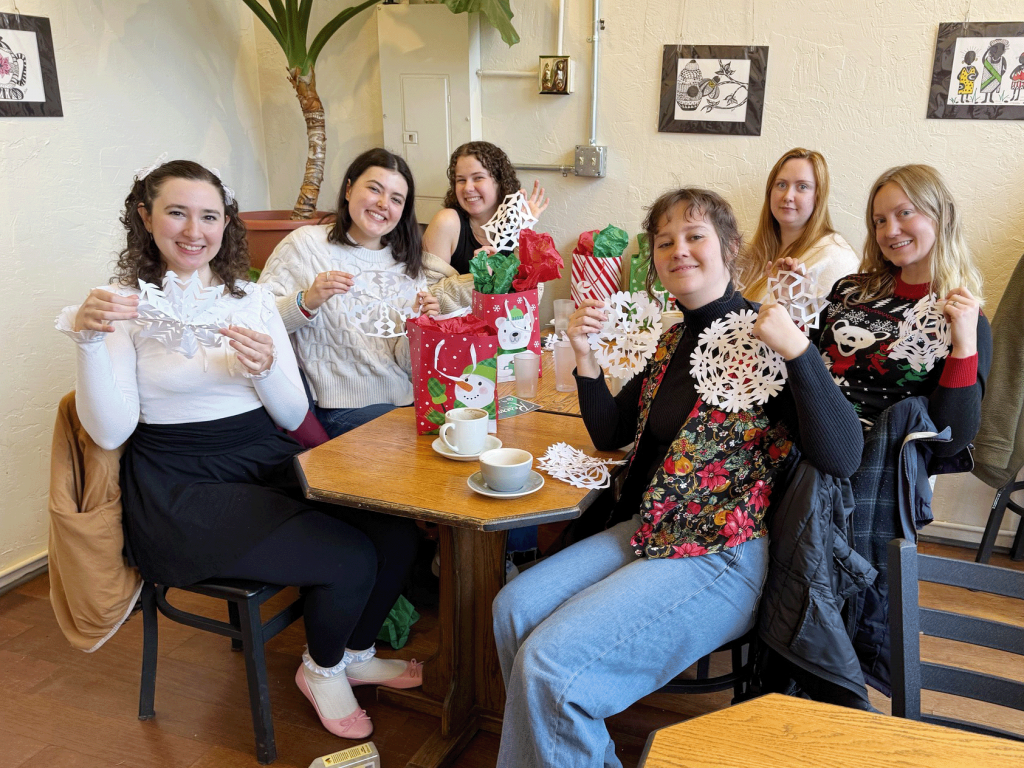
(596, 627)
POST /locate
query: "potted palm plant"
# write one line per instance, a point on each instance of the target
(288, 22)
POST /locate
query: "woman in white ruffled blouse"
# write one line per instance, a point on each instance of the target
(192, 362)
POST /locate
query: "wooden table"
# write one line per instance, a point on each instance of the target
(778, 731)
(384, 466)
(548, 398)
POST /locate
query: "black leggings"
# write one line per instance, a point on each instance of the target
(350, 565)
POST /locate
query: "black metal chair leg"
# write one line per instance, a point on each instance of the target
(147, 689)
(256, 672)
(995, 519)
(236, 644)
(704, 667)
(1017, 550)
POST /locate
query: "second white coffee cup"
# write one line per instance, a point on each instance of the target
(465, 430)
(506, 469)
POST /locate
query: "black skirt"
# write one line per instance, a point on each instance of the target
(199, 496)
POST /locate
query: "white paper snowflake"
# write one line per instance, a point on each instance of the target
(800, 295)
(379, 302)
(183, 316)
(733, 370)
(630, 334)
(512, 216)
(924, 337)
(563, 462)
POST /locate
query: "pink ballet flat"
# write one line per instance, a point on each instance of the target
(410, 678)
(355, 726)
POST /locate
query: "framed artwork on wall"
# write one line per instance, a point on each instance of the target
(713, 89)
(28, 70)
(978, 72)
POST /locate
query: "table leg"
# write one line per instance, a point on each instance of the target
(465, 670)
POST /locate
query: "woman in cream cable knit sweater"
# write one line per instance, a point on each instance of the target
(354, 377)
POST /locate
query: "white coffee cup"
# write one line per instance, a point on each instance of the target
(506, 469)
(468, 428)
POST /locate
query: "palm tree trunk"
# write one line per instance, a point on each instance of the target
(316, 134)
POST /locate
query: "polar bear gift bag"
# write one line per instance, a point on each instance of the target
(453, 366)
(515, 317)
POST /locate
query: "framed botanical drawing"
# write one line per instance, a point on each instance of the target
(28, 70)
(978, 72)
(713, 89)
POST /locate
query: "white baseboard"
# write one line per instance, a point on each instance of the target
(26, 571)
(967, 534)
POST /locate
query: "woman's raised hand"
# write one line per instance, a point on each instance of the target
(426, 304)
(254, 350)
(589, 318)
(325, 285)
(537, 202)
(788, 264)
(101, 308)
(961, 310)
(776, 328)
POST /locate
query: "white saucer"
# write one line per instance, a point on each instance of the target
(533, 483)
(490, 443)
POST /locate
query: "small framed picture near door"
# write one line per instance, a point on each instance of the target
(978, 72)
(713, 89)
(28, 70)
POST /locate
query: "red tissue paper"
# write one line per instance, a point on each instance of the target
(539, 260)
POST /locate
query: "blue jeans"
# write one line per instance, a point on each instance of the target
(593, 629)
(338, 421)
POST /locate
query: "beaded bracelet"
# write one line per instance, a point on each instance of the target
(302, 307)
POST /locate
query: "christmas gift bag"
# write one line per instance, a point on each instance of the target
(638, 266)
(517, 321)
(454, 365)
(597, 264)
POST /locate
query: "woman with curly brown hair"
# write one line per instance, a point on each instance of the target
(480, 175)
(208, 485)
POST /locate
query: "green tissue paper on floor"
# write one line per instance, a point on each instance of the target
(398, 623)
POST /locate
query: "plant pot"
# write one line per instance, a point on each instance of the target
(267, 228)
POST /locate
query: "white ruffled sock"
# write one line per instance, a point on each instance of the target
(330, 688)
(363, 665)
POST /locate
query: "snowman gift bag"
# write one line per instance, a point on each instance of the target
(454, 365)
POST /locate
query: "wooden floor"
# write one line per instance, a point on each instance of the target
(61, 707)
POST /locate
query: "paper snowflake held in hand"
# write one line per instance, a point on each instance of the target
(512, 216)
(563, 462)
(800, 295)
(924, 335)
(733, 370)
(379, 302)
(183, 316)
(630, 334)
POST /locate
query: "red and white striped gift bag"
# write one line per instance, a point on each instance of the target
(594, 277)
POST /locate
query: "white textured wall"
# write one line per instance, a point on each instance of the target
(137, 78)
(848, 79)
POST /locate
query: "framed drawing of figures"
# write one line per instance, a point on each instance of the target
(978, 72)
(713, 89)
(28, 70)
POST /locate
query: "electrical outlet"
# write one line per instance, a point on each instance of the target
(591, 161)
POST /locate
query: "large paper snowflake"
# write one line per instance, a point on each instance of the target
(183, 316)
(512, 216)
(800, 295)
(630, 334)
(924, 335)
(733, 370)
(379, 302)
(563, 462)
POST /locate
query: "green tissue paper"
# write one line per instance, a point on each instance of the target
(398, 623)
(493, 274)
(610, 242)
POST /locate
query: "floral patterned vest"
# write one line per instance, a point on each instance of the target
(712, 491)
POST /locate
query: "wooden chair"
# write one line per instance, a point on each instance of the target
(907, 621)
(738, 679)
(1000, 504)
(248, 633)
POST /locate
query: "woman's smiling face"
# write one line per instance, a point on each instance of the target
(904, 234)
(688, 257)
(375, 202)
(187, 222)
(475, 188)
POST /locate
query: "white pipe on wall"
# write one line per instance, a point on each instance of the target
(506, 73)
(561, 26)
(596, 38)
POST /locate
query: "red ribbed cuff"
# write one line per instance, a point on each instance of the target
(959, 372)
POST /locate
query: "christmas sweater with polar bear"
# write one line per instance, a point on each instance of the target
(856, 343)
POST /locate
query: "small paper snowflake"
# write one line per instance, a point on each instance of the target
(183, 316)
(512, 216)
(379, 302)
(563, 462)
(924, 337)
(800, 295)
(733, 370)
(630, 334)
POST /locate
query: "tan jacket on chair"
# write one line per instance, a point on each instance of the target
(452, 290)
(92, 588)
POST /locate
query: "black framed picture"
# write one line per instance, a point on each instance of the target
(713, 89)
(978, 72)
(28, 70)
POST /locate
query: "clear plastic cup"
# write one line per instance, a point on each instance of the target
(527, 370)
(565, 362)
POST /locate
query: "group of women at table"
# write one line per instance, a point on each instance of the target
(207, 477)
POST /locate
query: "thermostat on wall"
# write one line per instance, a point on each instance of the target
(555, 75)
